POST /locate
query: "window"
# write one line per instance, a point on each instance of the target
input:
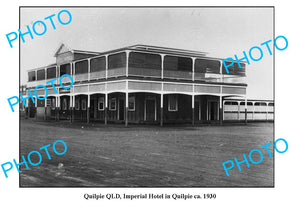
(235, 69)
(98, 64)
(172, 103)
(40, 103)
(77, 104)
(83, 104)
(178, 63)
(51, 72)
(65, 69)
(48, 103)
(81, 67)
(131, 103)
(207, 66)
(239, 70)
(112, 104)
(40, 75)
(117, 61)
(53, 103)
(101, 103)
(145, 60)
(31, 76)
(64, 104)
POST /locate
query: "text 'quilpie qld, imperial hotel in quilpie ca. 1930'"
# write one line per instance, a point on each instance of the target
(144, 84)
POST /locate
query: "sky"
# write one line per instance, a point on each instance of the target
(221, 32)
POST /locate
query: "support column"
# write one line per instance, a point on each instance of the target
(57, 108)
(162, 65)
(127, 62)
(193, 95)
(221, 99)
(45, 112)
(70, 107)
(35, 105)
(89, 69)
(106, 65)
(88, 109)
(105, 108)
(161, 109)
(193, 110)
(126, 109)
(27, 109)
(193, 68)
(221, 110)
(73, 108)
(245, 110)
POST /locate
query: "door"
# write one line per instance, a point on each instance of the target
(31, 108)
(121, 109)
(150, 110)
(92, 108)
(213, 110)
(197, 111)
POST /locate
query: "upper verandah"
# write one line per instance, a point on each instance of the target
(142, 60)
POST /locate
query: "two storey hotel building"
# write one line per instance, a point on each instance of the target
(140, 84)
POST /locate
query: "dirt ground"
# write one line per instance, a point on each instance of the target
(144, 156)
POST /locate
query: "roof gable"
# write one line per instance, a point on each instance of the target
(62, 49)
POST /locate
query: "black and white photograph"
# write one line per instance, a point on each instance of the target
(147, 96)
(153, 106)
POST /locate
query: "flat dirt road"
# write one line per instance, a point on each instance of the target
(145, 156)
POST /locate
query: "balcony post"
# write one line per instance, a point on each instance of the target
(58, 73)
(27, 111)
(89, 69)
(126, 108)
(106, 66)
(193, 109)
(74, 72)
(221, 110)
(45, 112)
(57, 107)
(35, 105)
(193, 68)
(161, 109)
(70, 107)
(162, 65)
(88, 109)
(127, 62)
(105, 108)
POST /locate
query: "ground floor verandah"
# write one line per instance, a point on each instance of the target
(137, 107)
(136, 101)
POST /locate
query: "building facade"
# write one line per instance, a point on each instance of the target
(139, 84)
